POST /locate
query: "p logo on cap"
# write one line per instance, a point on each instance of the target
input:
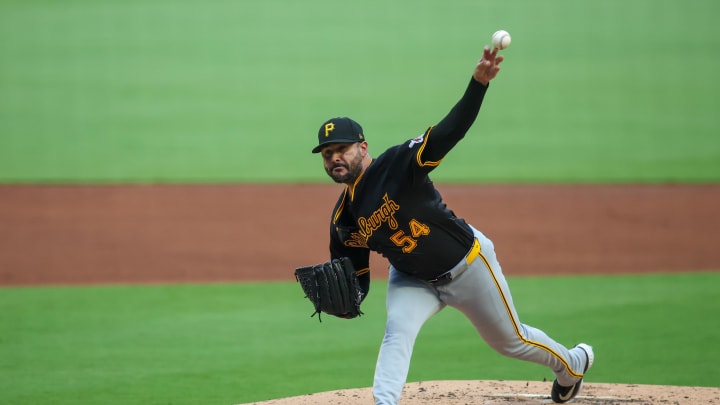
(339, 130)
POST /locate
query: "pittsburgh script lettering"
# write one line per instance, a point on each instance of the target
(386, 213)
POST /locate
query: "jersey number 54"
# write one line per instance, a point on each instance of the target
(407, 242)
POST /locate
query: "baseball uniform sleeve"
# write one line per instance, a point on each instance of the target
(439, 139)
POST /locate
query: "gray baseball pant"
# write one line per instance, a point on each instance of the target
(481, 293)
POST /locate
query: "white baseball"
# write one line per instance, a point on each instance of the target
(501, 39)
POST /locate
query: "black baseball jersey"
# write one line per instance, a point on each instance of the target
(394, 209)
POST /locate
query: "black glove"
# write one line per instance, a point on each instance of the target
(332, 287)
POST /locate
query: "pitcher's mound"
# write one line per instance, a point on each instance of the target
(512, 392)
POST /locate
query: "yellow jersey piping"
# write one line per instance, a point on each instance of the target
(340, 208)
(422, 148)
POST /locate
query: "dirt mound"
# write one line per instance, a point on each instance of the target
(512, 392)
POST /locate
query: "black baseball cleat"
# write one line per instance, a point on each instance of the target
(560, 394)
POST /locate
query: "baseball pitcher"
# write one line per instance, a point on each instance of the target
(390, 205)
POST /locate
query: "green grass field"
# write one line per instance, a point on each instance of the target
(228, 91)
(228, 344)
(167, 91)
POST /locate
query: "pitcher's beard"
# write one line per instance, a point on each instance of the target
(352, 172)
(348, 177)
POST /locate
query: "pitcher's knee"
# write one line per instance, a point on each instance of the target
(401, 327)
(511, 347)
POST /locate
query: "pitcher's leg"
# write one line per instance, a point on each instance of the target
(410, 303)
(483, 295)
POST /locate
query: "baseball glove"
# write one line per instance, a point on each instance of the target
(332, 287)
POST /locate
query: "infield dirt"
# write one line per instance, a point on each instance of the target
(215, 233)
(513, 392)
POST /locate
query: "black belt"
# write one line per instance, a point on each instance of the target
(449, 276)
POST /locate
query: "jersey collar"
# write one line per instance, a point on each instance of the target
(351, 190)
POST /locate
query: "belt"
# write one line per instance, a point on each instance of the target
(449, 276)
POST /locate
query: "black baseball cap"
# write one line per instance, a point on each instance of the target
(339, 130)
